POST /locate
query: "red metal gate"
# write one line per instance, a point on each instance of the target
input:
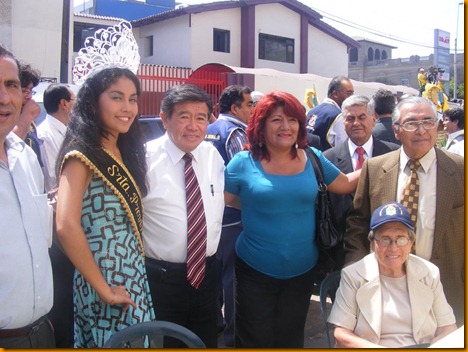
(156, 80)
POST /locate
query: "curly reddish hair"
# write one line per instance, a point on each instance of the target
(264, 108)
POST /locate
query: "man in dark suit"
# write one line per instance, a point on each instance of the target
(440, 209)
(358, 121)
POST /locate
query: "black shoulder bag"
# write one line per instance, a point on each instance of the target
(326, 234)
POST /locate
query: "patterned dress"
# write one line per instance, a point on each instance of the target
(117, 253)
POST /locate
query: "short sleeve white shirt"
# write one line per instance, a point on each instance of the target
(165, 211)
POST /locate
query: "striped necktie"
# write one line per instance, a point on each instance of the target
(196, 226)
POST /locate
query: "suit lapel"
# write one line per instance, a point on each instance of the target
(389, 177)
(369, 295)
(445, 197)
(420, 295)
(343, 158)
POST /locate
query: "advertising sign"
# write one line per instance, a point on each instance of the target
(442, 53)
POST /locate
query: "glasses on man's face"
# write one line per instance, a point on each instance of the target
(412, 126)
(387, 241)
(27, 90)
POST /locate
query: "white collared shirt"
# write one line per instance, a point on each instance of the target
(368, 149)
(427, 175)
(456, 142)
(165, 211)
(52, 132)
(26, 287)
(336, 133)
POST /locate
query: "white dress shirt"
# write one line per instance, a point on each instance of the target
(456, 143)
(26, 288)
(52, 132)
(368, 150)
(427, 175)
(336, 133)
(165, 211)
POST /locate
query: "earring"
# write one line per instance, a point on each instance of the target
(296, 145)
(260, 144)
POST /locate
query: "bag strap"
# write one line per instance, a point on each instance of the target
(317, 165)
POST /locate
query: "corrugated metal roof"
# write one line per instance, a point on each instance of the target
(87, 15)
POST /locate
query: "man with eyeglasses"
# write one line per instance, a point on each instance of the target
(440, 205)
(26, 127)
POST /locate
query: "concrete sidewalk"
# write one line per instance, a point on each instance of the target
(314, 332)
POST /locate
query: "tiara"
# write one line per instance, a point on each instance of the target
(112, 47)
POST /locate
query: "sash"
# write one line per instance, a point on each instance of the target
(116, 176)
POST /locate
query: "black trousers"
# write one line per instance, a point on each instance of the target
(40, 334)
(175, 300)
(61, 314)
(271, 313)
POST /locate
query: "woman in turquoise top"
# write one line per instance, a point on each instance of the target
(275, 186)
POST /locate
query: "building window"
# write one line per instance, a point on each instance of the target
(353, 55)
(148, 46)
(274, 48)
(81, 31)
(370, 54)
(221, 40)
(377, 54)
(384, 55)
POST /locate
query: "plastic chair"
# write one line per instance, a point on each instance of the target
(328, 289)
(134, 336)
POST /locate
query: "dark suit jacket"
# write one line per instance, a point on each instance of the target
(313, 140)
(378, 184)
(340, 157)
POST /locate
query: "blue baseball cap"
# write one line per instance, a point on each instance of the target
(391, 212)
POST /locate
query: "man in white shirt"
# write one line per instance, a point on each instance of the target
(26, 219)
(326, 120)
(454, 122)
(185, 111)
(58, 102)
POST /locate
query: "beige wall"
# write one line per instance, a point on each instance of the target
(327, 56)
(202, 34)
(36, 33)
(172, 42)
(276, 19)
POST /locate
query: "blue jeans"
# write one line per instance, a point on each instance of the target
(271, 313)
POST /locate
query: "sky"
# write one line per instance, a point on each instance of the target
(406, 24)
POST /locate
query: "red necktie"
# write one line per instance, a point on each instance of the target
(196, 226)
(360, 160)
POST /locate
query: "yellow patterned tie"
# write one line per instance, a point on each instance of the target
(410, 195)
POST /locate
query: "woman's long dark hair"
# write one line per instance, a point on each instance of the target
(85, 129)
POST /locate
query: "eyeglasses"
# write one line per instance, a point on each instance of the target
(387, 241)
(412, 126)
(27, 90)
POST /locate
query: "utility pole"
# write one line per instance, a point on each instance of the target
(455, 83)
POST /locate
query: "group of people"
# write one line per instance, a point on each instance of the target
(226, 211)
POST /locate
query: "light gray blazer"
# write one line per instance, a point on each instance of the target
(358, 302)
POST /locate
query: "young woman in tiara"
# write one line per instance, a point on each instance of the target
(102, 178)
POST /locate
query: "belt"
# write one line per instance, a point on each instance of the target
(20, 332)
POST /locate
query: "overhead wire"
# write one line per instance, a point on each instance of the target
(351, 24)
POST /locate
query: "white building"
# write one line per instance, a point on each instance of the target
(284, 35)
